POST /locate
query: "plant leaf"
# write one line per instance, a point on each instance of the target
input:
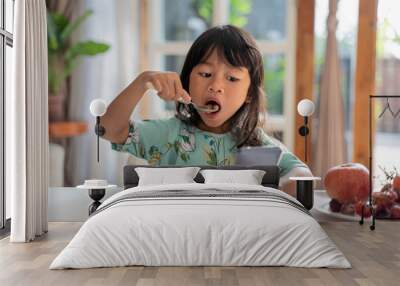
(88, 48)
(204, 10)
(59, 20)
(72, 26)
(239, 10)
(52, 38)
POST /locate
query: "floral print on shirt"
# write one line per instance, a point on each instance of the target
(183, 145)
(214, 147)
(172, 142)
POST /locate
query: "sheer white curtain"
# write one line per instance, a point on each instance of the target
(330, 143)
(27, 123)
(102, 76)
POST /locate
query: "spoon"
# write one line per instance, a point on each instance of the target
(209, 108)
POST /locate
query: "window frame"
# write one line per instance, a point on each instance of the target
(6, 39)
(158, 49)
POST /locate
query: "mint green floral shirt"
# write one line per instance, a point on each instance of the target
(173, 142)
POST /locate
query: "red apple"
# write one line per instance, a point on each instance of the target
(396, 183)
(347, 183)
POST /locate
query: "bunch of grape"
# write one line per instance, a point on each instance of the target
(386, 202)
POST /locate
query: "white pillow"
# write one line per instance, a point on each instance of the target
(249, 177)
(163, 176)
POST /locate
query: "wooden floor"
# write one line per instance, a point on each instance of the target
(375, 257)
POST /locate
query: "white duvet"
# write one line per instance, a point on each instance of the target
(183, 231)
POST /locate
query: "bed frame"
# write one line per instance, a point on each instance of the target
(270, 179)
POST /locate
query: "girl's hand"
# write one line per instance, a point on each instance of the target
(167, 84)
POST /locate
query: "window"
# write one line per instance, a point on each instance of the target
(6, 43)
(174, 24)
(387, 132)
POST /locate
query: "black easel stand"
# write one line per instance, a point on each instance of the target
(370, 204)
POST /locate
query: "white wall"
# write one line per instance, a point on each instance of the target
(102, 76)
(71, 204)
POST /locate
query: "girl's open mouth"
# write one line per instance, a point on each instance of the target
(214, 106)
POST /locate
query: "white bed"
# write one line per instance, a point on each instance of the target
(224, 225)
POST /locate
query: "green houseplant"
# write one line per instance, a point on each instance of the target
(63, 57)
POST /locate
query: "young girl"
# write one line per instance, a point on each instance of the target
(223, 69)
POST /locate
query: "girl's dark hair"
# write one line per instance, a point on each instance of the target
(239, 49)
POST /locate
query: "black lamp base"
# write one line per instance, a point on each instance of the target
(305, 193)
(305, 190)
(96, 195)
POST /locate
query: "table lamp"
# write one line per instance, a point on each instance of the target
(97, 188)
(305, 108)
(304, 185)
(98, 107)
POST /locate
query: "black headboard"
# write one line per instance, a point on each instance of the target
(270, 179)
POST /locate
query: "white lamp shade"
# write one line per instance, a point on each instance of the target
(305, 107)
(98, 107)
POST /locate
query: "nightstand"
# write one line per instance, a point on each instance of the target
(304, 190)
(96, 193)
